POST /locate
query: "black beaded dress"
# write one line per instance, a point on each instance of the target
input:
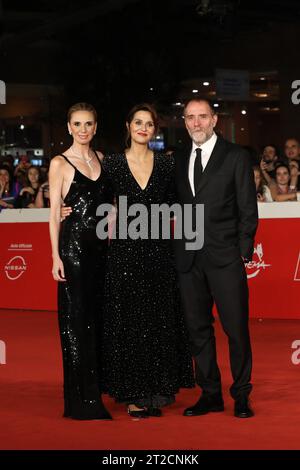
(80, 298)
(146, 356)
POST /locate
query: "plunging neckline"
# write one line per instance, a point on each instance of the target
(82, 174)
(90, 179)
(150, 177)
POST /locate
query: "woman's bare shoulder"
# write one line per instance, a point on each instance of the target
(58, 161)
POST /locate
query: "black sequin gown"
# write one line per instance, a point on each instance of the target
(80, 298)
(146, 354)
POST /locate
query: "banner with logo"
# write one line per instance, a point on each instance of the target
(25, 259)
(273, 275)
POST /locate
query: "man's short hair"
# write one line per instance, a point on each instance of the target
(198, 99)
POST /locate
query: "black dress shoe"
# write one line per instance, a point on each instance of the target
(153, 411)
(138, 413)
(206, 404)
(242, 408)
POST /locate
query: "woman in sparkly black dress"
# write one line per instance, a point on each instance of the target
(146, 355)
(79, 260)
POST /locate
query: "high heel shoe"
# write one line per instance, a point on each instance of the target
(137, 413)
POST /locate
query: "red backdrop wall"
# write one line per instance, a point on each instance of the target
(274, 275)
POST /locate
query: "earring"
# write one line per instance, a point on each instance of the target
(70, 132)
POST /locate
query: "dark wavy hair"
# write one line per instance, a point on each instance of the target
(141, 107)
(284, 165)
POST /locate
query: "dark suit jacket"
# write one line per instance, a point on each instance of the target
(228, 193)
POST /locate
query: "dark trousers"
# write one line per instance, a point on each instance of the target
(227, 286)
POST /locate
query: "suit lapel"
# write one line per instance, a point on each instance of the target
(215, 161)
(185, 170)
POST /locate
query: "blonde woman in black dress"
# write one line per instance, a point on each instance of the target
(79, 260)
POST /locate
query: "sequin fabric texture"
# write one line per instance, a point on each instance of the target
(80, 298)
(146, 354)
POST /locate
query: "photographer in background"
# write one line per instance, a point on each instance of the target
(269, 160)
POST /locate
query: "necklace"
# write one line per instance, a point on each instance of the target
(88, 162)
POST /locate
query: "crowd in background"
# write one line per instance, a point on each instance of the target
(23, 185)
(276, 174)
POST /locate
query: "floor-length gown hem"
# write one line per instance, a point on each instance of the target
(146, 352)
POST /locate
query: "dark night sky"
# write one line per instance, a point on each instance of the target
(111, 52)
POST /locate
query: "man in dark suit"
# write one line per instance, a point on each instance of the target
(217, 174)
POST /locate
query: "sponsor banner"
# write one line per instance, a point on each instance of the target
(25, 267)
(273, 274)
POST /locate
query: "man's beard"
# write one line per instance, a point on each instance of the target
(200, 137)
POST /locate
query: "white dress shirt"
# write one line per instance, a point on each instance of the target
(207, 149)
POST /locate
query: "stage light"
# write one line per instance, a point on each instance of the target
(261, 95)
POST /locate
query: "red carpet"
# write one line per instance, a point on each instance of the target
(31, 397)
